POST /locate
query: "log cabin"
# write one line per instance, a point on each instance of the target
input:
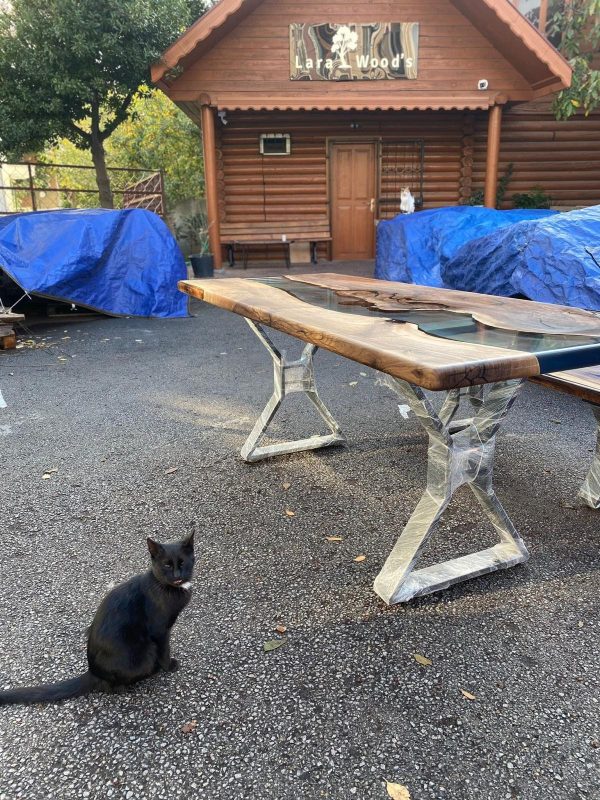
(315, 115)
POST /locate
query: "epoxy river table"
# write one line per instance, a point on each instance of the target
(467, 345)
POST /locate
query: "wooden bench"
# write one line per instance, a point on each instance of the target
(282, 232)
(583, 383)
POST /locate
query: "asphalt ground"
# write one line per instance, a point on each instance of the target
(143, 422)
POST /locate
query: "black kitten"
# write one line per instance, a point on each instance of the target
(129, 637)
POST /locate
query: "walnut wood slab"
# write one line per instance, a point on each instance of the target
(498, 312)
(397, 348)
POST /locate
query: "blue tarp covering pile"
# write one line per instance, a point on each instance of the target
(554, 260)
(124, 263)
(542, 255)
(414, 248)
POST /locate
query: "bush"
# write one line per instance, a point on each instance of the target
(536, 198)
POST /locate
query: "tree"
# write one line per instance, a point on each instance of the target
(156, 134)
(71, 69)
(575, 26)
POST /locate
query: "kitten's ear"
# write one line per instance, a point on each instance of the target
(153, 547)
(188, 542)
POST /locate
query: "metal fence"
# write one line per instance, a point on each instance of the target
(26, 186)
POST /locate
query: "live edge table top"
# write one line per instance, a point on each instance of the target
(434, 338)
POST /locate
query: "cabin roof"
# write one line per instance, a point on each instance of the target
(499, 21)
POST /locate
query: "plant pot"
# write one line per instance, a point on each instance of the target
(203, 266)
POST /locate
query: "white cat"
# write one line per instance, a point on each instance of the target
(407, 201)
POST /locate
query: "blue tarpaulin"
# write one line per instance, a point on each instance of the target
(415, 248)
(124, 263)
(554, 260)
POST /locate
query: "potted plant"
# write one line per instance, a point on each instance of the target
(194, 231)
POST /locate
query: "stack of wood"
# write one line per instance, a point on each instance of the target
(8, 338)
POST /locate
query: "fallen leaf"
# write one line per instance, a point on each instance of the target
(49, 473)
(171, 470)
(273, 644)
(363, 374)
(46, 476)
(286, 486)
(422, 660)
(289, 513)
(281, 629)
(189, 727)
(468, 695)
(334, 538)
(396, 791)
(358, 559)
(353, 383)
(556, 421)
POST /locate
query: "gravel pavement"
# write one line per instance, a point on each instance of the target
(108, 409)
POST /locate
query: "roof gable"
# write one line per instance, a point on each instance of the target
(530, 65)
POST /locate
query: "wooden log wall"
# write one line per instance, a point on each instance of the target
(271, 188)
(563, 158)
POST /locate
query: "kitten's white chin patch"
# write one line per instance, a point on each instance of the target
(187, 585)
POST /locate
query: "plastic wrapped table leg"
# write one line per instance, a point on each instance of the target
(460, 452)
(590, 491)
(289, 377)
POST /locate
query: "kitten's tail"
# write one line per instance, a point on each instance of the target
(52, 692)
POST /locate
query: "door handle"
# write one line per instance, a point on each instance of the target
(372, 205)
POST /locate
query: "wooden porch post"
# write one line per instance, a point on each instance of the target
(211, 181)
(493, 153)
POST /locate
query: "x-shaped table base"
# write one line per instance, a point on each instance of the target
(460, 452)
(289, 377)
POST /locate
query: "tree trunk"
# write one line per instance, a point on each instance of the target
(102, 179)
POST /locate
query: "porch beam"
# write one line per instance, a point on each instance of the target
(493, 154)
(211, 181)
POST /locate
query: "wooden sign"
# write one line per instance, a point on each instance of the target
(353, 52)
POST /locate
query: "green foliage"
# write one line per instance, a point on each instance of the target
(535, 198)
(159, 135)
(477, 196)
(576, 27)
(503, 184)
(193, 233)
(71, 68)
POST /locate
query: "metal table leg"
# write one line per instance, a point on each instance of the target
(460, 452)
(289, 377)
(590, 491)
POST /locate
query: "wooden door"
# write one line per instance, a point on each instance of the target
(352, 193)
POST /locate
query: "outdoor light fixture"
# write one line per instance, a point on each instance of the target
(482, 84)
